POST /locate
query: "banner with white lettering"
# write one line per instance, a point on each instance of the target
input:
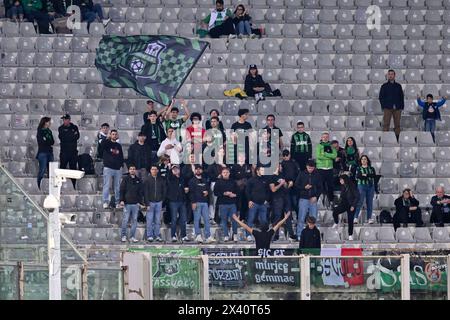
(332, 274)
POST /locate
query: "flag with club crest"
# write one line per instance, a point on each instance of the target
(154, 66)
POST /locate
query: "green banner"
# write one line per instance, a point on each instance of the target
(170, 272)
(154, 66)
(419, 281)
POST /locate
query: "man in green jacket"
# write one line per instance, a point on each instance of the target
(325, 155)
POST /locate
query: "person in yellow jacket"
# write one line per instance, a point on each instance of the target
(325, 155)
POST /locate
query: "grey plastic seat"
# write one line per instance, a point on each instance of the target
(307, 46)
(422, 235)
(305, 92)
(407, 169)
(408, 153)
(99, 235)
(337, 107)
(414, 47)
(386, 234)
(429, 169)
(426, 154)
(432, 32)
(322, 91)
(274, 30)
(360, 46)
(442, 169)
(332, 236)
(368, 235)
(271, 60)
(344, 31)
(388, 185)
(301, 107)
(408, 138)
(404, 235)
(83, 218)
(82, 235)
(443, 154)
(440, 234)
(326, 31)
(388, 139)
(324, 75)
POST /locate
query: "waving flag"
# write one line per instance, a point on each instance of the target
(154, 66)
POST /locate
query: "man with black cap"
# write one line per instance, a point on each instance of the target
(139, 154)
(309, 188)
(241, 128)
(68, 135)
(176, 196)
(255, 85)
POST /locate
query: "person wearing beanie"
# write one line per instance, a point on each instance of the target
(255, 85)
(325, 156)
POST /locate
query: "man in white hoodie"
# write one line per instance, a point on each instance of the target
(171, 147)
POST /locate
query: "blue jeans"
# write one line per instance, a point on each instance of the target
(154, 219)
(226, 212)
(305, 208)
(109, 173)
(14, 12)
(366, 192)
(243, 27)
(259, 210)
(129, 210)
(430, 126)
(200, 211)
(180, 208)
(90, 16)
(44, 158)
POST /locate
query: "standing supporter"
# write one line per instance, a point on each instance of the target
(45, 142)
(225, 189)
(154, 194)
(278, 134)
(172, 120)
(171, 147)
(241, 172)
(301, 146)
(241, 128)
(348, 201)
(309, 187)
(112, 166)
(365, 179)
(176, 197)
(139, 154)
(258, 196)
(392, 102)
(325, 155)
(214, 113)
(101, 136)
(310, 236)
(131, 197)
(351, 154)
(430, 112)
(154, 131)
(290, 171)
(68, 136)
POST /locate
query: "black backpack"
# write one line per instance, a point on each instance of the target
(86, 164)
(385, 217)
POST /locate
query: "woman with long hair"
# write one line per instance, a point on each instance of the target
(365, 179)
(45, 142)
(241, 22)
(351, 154)
(348, 202)
(407, 210)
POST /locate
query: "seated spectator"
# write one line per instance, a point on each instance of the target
(256, 87)
(441, 208)
(430, 112)
(35, 10)
(407, 210)
(91, 12)
(14, 10)
(241, 22)
(171, 147)
(219, 22)
(310, 236)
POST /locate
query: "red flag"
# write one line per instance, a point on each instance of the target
(352, 268)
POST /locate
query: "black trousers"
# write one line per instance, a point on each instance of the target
(327, 182)
(69, 158)
(439, 217)
(301, 159)
(341, 208)
(281, 205)
(405, 216)
(225, 29)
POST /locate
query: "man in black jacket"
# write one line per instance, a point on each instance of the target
(290, 169)
(310, 237)
(348, 202)
(309, 189)
(154, 194)
(139, 154)
(176, 196)
(257, 191)
(131, 196)
(199, 195)
(155, 133)
(112, 166)
(441, 207)
(392, 102)
(68, 135)
(225, 189)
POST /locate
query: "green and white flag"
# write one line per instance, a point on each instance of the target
(154, 66)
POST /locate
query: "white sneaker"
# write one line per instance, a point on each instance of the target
(371, 221)
(335, 226)
(232, 36)
(184, 239)
(174, 239)
(226, 239)
(124, 239)
(105, 205)
(249, 238)
(159, 239)
(199, 239)
(210, 240)
(235, 238)
(150, 239)
(252, 36)
(133, 239)
(350, 238)
(355, 221)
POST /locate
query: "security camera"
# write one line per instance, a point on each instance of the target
(51, 203)
(70, 174)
